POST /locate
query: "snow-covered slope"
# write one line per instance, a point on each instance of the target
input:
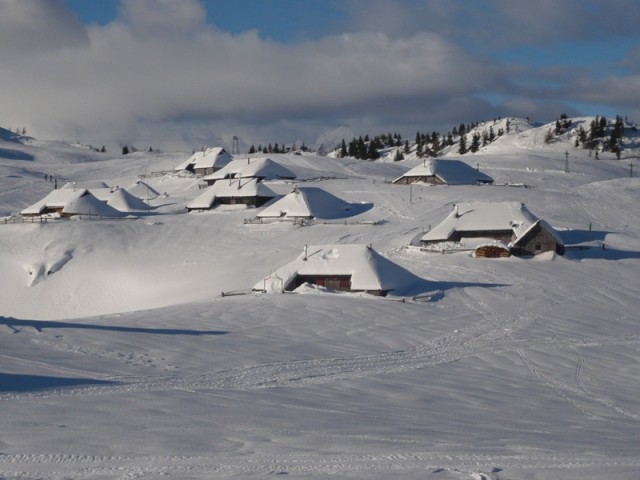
(120, 358)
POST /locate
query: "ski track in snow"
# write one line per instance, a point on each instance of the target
(476, 466)
(493, 334)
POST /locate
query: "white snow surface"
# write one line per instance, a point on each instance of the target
(120, 358)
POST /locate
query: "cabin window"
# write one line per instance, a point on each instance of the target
(538, 247)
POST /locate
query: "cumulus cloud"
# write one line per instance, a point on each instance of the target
(161, 74)
(125, 78)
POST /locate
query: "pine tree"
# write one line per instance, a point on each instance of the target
(372, 153)
(343, 149)
(475, 143)
(462, 149)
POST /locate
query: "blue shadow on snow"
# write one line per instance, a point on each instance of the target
(40, 325)
(16, 383)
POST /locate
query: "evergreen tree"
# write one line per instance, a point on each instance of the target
(125, 150)
(462, 148)
(252, 149)
(343, 149)
(475, 143)
(372, 153)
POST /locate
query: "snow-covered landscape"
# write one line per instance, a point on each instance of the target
(137, 347)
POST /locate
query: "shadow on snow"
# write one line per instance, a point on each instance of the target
(15, 325)
(17, 383)
(582, 244)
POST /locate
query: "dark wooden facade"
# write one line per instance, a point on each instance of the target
(332, 282)
(504, 236)
(339, 283)
(492, 251)
(252, 201)
(537, 240)
(430, 179)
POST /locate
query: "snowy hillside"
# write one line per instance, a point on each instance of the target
(120, 357)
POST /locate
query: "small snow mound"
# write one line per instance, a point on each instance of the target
(333, 253)
(546, 257)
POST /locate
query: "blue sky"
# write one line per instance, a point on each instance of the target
(280, 20)
(182, 73)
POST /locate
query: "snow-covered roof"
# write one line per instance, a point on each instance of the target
(484, 216)
(451, 172)
(368, 269)
(54, 199)
(143, 190)
(122, 200)
(88, 204)
(264, 168)
(308, 202)
(216, 157)
(228, 189)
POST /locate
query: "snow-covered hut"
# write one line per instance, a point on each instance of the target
(351, 268)
(233, 192)
(54, 202)
(260, 168)
(89, 205)
(444, 172)
(511, 223)
(206, 161)
(311, 202)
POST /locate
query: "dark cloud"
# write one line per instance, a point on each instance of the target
(31, 26)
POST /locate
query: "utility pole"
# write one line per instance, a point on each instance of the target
(630, 169)
(235, 150)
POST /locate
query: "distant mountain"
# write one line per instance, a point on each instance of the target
(330, 140)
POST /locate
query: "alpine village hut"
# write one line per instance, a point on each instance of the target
(237, 191)
(496, 227)
(260, 168)
(345, 268)
(444, 172)
(309, 203)
(66, 202)
(206, 161)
